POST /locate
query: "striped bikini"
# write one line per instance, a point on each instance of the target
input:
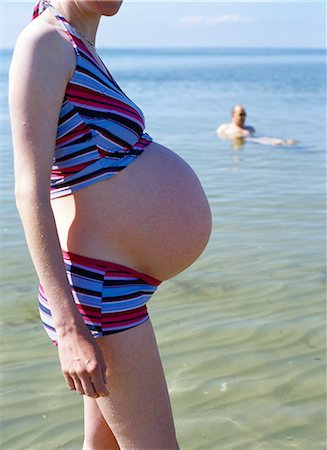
(109, 296)
(100, 132)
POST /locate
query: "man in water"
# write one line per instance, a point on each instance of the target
(237, 129)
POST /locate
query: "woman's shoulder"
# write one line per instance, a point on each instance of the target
(42, 40)
(42, 27)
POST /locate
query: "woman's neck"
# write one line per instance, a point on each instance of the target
(85, 21)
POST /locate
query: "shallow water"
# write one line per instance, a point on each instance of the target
(242, 331)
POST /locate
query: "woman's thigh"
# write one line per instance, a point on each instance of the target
(138, 408)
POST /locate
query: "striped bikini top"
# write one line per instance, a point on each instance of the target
(100, 130)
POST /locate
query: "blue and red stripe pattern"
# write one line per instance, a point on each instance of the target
(100, 129)
(110, 297)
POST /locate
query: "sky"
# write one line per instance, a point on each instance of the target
(180, 23)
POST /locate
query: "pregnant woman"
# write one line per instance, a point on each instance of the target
(108, 214)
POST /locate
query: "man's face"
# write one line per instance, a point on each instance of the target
(239, 116)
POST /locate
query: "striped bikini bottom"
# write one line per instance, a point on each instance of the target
(110, 297)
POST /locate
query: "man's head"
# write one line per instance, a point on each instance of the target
(238, 115)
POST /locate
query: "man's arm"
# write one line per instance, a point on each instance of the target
(271, 141)
(221, 130)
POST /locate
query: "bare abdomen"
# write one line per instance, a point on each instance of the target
(153, 216)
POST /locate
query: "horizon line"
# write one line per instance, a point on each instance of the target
(200, 47)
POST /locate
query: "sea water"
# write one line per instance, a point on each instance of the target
(242, 331)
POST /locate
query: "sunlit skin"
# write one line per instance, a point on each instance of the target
(85, 15)
(153, 217)
(236, 127)
(156, 241)
(237, 131)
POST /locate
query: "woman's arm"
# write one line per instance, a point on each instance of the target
(44, 247)
(38, 76)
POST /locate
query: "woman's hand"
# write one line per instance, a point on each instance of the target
(82, 363)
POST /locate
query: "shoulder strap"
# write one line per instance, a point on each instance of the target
(44, 4)
(38, 9)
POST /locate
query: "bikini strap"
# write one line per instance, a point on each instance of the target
(44, 4)
(38, 9)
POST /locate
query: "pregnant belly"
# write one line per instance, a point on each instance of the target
(153, 216)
